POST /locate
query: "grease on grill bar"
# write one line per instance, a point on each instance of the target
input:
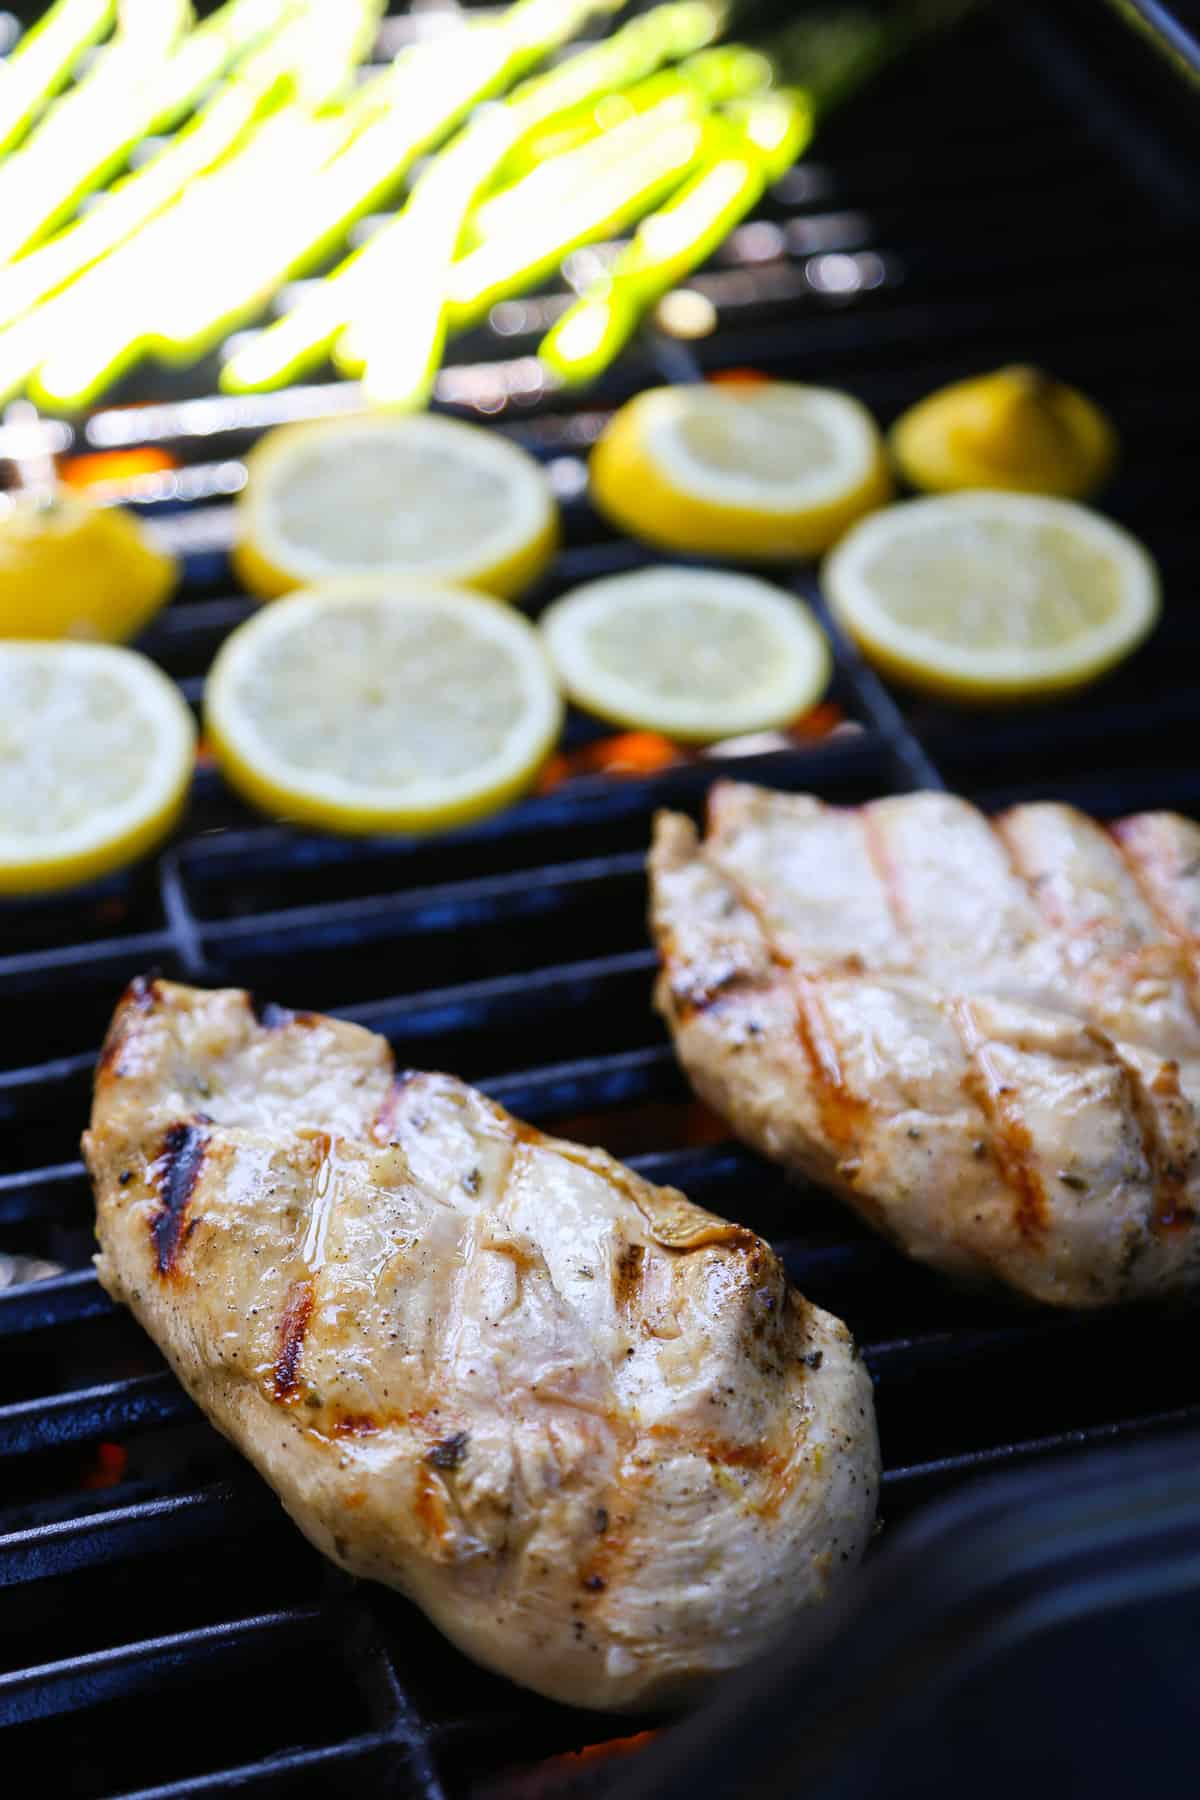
(957, 218)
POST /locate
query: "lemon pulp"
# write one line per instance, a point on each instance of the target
(96, 754)
(772, 471)
(396, 494)
(374, 705)
(991, 595)
(696, 654)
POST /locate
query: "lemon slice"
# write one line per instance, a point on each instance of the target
(71, 569)
(696, 654)
(96, 754)
(376, 705)
(392, 494)
(768, 471)
(993, 596)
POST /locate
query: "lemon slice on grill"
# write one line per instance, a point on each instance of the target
(392, 494)
(767, 471)
(375, 705)
(96, 754)
(696, 654)
(993, 596)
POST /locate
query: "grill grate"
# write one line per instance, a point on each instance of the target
(959, 216)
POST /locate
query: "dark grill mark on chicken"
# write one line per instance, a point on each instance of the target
(175, 1174)
(297, 1312)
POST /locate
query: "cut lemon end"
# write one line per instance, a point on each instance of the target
(777, 471)
(992, 597)
(694, 654)
(377, 705)
(98, 748)
(393, 494)
(1015, 429)
(70, 569)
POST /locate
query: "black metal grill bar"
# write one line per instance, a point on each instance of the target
(98, 1538)
(917, 1483)
(147, 947)
(39, 1193)
(593, 1085)
(59, 1300)
(417, 912)
(277, 1774)
(114, 1408)
(133, 1668)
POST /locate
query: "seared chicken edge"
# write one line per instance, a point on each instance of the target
(586, 1426)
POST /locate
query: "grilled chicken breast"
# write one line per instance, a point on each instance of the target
(984, 1034)
(586, 1426)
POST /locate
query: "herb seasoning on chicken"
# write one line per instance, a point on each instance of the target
(985, 1035)
(588, 1427)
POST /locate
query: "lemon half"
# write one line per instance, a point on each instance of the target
(373, 705)
(392, 494)
(769, 471)
(96, 754)
(993, 596)
(72, 569)
(696, 654)
(1016, 428)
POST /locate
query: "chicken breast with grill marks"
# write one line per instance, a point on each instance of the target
(984, 1034)
(588, 1427)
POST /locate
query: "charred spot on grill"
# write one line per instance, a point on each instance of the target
(176, 1172)
(297, 1311)
(472, 1181)
(813, 1359)
(627, 1272)
(595, 1584)
(600, 1520)
(448, 1452)
(125, 1177)
(1076, 1182)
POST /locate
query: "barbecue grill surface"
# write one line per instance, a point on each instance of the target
(1009, 194)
